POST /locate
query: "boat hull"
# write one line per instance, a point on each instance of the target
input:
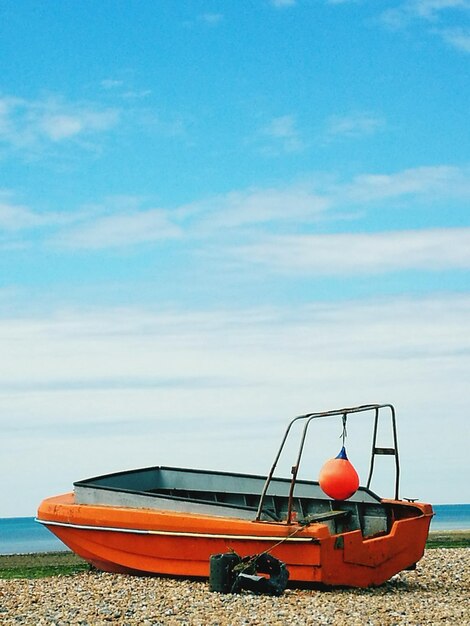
(149, 541)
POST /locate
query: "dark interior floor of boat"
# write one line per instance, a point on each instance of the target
(238, 495)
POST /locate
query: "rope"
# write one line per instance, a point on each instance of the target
(244, 565)
(344, 434)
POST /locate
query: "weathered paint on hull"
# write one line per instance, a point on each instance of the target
(166, 542)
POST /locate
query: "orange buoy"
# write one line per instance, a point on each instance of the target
(338, 478)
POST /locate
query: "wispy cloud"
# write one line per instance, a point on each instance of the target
(281, 136)
(124, 221)
(363, 253)
(429, 10)
(138, 344)
(438, 17)
(279, 4)
(457, 37)
(56, 125)
(353, 125)
(30, 125)
(249, 213)
(122, 90)
(14, 217)
(111, 83)
(151, 120)
(117, 222)
(436, 182)
(240, 215)
(212, 19)
(434, 14)
(136, 94)
(175, 373)
(123, 229)
(254, 206)
(343, 1)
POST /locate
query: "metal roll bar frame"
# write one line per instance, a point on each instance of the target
(309, 417)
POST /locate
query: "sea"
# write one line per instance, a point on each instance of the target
(23, 535)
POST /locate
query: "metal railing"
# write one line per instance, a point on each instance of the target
(308, 417)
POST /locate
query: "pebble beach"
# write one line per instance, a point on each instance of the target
(437, 592)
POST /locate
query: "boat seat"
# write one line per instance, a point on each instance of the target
(323, 517)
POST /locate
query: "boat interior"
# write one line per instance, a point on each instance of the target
(238, 495)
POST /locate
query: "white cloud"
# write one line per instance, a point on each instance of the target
(284, 131)
(212, 19)
(433, 182)
(143, 344)
(111, 83)
(303, 203)
(343, 1)
(457, 37)
(151, 121)
(125, 221)
(283, 3)
(238, 215)
(353, 125)
(428, 10)
(118, 222)
(58, 127)
(171, 351)
(364, 253)
(136, 94)
(121, 89)
(437, 16)
(139, 387)
(14, 217)
(118, 230)
(32, 124)
(254, 206)
(63, 126)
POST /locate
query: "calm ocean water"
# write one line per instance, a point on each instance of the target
(21, 535)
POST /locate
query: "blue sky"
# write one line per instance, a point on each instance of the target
(215, 215)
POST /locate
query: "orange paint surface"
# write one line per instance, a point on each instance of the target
(181, 544)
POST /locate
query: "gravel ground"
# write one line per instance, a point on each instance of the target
(437, 592)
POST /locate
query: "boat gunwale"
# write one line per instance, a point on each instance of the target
(89, 483)
(230, 505)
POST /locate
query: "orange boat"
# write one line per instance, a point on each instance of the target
(164, 520)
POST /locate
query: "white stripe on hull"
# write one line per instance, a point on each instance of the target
(170, 533)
